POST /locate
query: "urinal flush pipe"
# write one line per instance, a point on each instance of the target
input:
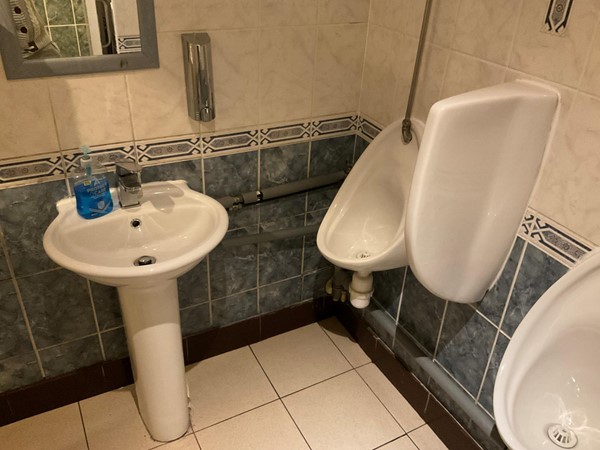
(361, 289)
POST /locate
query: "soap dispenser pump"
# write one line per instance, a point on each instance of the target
(92, 191)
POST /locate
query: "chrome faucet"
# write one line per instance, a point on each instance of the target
(129, 183)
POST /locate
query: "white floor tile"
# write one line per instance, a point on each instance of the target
(404, 443)
(266, 428)
(426, 439)
(342, 413)
(227, 385)
(299, 358)
(185, 443)
(112, 421)
(57, 429)
(402, 411)
(342, 340)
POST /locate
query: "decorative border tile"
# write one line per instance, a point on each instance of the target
(232, 141)
(105, 155)
(553, 239)
(348, 124)
(158, 151)
(368, 128)
(41, 168)
(557, 17)
(129, 44)
(285, 133)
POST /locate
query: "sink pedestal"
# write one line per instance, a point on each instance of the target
(152, 325)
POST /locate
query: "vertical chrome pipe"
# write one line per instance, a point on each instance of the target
(197, 63)
(406, 126)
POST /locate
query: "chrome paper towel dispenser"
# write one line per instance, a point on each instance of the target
(198, 76)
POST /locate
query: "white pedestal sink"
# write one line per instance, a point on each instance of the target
(171, 231)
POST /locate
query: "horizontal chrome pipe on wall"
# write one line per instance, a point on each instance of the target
(295, 187)
(269, 236)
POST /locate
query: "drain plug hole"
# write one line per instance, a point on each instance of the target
(562, 436)
(144, 261)
(136, 223)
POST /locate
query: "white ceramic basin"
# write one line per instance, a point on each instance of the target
(178, 227)
(550, 371)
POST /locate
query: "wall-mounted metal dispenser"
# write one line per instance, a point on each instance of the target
(198, 76)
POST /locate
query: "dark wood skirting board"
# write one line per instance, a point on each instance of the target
(106, 376)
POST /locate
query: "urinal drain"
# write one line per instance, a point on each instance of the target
(144, 261)
(363, 255)
(562, 436)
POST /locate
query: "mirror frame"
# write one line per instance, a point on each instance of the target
(16, 67)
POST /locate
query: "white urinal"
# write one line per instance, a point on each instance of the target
(478, 163)
(461, 193)
(547, 391)
(363, 230)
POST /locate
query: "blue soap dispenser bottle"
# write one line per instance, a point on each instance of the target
(92, 191)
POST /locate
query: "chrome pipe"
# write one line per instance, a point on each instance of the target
(406, 125)
(197, 61)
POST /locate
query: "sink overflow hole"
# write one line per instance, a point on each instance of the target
(136, 223)
(144, 261)
(562, 436)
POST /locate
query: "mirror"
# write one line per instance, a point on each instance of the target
(40, 38)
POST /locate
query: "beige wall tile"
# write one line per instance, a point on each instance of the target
(342, 413)
(288, 12)
(338, 69)
(269, 427)
(157, 96)
(226, 385)
(487, 28)
(26, 117)
(214, 14)
(396, 404)
(382, 73)
(559, 59)
(431, 77)
(287, 59)
(299, 358)
(465, 74)
(343, 11)
(235, 57)
(404, 16)
(60, 428)
(591, 77)
(174, 15)
(91, 110)
(115, 411)
(568, 188)
(442, 22)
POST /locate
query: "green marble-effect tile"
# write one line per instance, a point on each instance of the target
(115, 344)
(65, 37)
(80, 12)
(84, 40)
(14, 339)
(280, 295)
(18, 371)
(195, 319)
(234, 308)
(60, 12)
(71, 356)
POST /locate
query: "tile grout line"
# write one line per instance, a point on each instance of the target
(439, 336)
(87, 442)
(91, 297)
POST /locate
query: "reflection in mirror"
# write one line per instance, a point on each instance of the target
(68, 28)
(40, 38)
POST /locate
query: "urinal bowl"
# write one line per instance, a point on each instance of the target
(363, 229)
(547, 392)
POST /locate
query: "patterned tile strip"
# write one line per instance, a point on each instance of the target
(232, 141)
(334, 126)
(45, 167)
(552, 239)
(129, 44)
(104, 155)
(286, 133)
(159, 151)
(368, 129)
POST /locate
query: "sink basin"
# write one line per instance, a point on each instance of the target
(142, 250)
(174, 224)
(547, 392)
